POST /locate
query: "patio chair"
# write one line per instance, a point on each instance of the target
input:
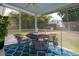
(21, 39)
(32, 36)
(40, 46)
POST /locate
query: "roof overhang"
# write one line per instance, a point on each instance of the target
(38, 8)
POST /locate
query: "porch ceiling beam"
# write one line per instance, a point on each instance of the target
(17, 8)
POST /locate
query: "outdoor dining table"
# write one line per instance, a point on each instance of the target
(39, 42)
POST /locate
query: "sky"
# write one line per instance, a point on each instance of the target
(7, 11)
(55, 16)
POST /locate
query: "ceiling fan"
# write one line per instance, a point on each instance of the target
(33, 5)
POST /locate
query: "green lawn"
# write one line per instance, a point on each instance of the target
(70, 41)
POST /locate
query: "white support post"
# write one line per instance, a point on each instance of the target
(3, 10)
(68, 22)
(36, 27)
(61, 43)
(19, 22)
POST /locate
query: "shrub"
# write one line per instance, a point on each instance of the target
(3, 27)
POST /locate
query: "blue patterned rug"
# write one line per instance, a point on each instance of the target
(24, 49)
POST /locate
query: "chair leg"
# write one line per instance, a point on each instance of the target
(37, 53)
(29, 49)
(46, 54)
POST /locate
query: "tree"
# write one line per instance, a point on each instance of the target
(43, 21)
(28, 21)
(14, 16)
(70, 14)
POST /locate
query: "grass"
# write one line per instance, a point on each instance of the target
(70, 39)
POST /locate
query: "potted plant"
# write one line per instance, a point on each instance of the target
(55, 40)
(3, 29)
(18, 36)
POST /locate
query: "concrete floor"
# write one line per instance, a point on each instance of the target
(10, 39)
(2, 53)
